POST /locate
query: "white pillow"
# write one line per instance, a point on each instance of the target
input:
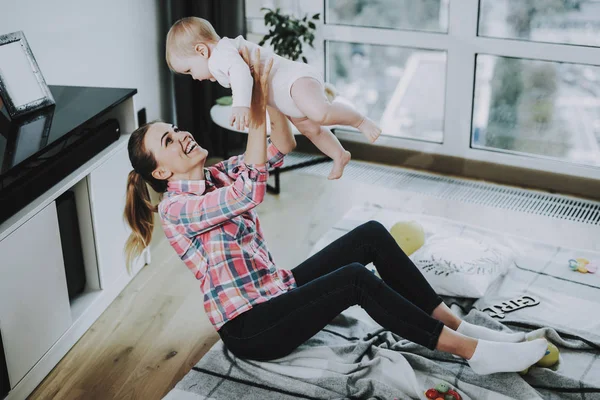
(462, 267)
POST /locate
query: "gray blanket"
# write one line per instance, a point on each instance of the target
(354, 358)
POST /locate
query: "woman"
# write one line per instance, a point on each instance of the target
(263, 313)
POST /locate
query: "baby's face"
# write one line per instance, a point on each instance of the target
(196, 66)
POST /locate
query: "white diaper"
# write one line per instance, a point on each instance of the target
(282, 77)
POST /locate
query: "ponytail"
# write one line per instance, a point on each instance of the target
(138, 206)
(139, 215)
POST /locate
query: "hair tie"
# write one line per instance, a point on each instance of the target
(135, 176)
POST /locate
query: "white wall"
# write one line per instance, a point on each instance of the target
(107, 43)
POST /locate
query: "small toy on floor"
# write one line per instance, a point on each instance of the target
(409, 235)
(549, 360)
(583, 265)
(499, 309)
(442, 391)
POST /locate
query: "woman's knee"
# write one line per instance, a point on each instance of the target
(354, 269)
(360, 276)
(363, 280)
(374, 228)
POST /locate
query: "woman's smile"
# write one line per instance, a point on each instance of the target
(190, 146)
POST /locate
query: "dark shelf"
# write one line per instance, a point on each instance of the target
(39, 150)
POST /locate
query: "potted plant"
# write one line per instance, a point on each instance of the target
(287, 34)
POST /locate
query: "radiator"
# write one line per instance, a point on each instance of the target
(464, 190)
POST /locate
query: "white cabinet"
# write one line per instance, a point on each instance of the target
(108, 189)
(34, 302)
(38, 323)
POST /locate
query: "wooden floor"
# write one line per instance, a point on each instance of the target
(156, 330)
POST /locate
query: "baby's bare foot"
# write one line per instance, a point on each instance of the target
(338, 165)
(369, 129)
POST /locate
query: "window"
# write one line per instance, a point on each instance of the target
(556, 21)
(538, 107)
(514, 82)
(387, 82)
(422, 15)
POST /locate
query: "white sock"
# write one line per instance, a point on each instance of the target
(492, 357)
(479, 332)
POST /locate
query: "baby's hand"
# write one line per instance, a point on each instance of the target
(240, 116)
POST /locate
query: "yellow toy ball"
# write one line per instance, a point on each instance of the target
(582, 269)
(410, 236)
(524, 372)
(551, 357)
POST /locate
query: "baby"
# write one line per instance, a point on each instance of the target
(296, 89)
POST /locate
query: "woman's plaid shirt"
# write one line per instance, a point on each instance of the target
(213, 228)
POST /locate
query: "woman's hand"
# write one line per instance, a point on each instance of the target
(260, 89)
(240, 116)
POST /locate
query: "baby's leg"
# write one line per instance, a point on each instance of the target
(325, 141)
(281, 131)
(309, 96)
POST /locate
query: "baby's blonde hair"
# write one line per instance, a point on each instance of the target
(186, 33)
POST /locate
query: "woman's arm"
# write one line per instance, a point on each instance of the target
(274, 159)
(256, 148)
(197, 214)
(281, 132)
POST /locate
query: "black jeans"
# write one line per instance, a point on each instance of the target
(333, 280)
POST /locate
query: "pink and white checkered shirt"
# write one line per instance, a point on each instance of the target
(213, 228)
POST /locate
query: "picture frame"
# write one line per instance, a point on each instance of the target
(23, 89)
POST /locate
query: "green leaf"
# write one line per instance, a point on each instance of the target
(305, 60)
(288, 33)
(269, 19)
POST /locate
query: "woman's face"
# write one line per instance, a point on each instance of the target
(177, 155)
